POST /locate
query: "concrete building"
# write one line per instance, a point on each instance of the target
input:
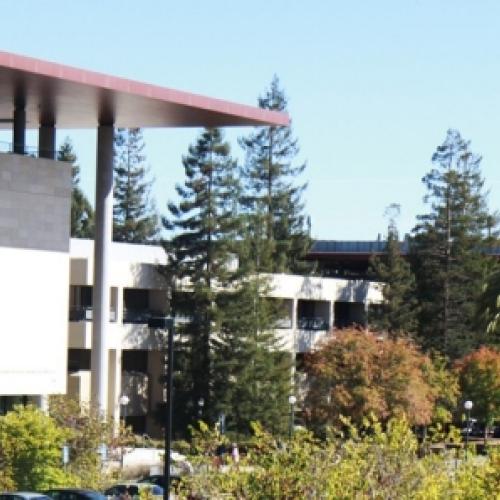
(313, 307)
(108, 291)
(35, 201)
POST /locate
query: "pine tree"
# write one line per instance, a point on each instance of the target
(269, 187)
(448, 260)
(204, 225)
(134, 218)
(397, 315)
(252, 372)
(82, 214)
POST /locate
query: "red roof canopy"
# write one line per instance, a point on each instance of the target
(76, 98)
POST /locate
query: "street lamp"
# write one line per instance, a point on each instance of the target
(201, 404)
(468, 407)
(291, 400)
(124, 400)
(166, 323)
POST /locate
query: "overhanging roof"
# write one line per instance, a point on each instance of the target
(76, 98)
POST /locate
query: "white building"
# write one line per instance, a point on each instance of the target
(138, 293)
(108, 291)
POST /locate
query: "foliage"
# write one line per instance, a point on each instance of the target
(397, 315)
(271, 197)
(31, 444)
(479, 377)
(82, 214)
(447, 255)
(445, 387)
(134, 217)
(355, 373)
(489, 305)
(371, 461)
(251, 368)
(86, 431)
(204, 226)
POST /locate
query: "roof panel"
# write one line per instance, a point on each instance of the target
(77, 98)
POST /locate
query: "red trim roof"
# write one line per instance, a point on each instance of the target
(77, 98)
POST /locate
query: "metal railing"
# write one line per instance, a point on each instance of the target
(85, 313)
(32, 151)
(314, 323)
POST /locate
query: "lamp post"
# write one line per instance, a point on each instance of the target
(468, 407)
(291, 400)
(201, 404)
(124, 400)
(167, 323)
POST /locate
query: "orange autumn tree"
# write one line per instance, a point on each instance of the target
(479, 378)
(355, 373)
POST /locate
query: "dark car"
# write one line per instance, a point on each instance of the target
(132, 490)
(74, 494)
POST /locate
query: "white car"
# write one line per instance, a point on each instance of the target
(23, 495)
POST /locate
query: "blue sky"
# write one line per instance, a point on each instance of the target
(372, 85)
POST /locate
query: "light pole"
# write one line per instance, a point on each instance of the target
(167, 323)
(291, 400)
(124, 401)
(201, 404)
(468, 407)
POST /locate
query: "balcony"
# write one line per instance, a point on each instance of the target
(312, 323)
(140, 316)
(85, 313)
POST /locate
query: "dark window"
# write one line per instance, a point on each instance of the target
(78, 359)
(135, 361)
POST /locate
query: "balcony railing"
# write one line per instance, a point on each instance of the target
(315, 323)
(139, 316)
(85, 313)
(284, 323)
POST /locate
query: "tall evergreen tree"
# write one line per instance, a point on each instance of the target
(252, 371)
(134, 217)
(82, 214)
(448, 260)
(204, 225)
(270, 187)
(397, 315)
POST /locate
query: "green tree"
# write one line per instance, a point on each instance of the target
(134, 217)
(251, 369)
(479, 378)
(204, 226)
(269, 179)
(86, 431)
(397, 315)
(447, 255)
(489, 306)
(82, 214)
(31, 444)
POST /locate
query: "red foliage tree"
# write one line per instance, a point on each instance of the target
(355, 373)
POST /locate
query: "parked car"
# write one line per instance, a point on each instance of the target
(23, 495)
(131, 489)
(74, 494)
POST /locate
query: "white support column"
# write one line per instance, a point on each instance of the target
(102, 243)
(115, 385)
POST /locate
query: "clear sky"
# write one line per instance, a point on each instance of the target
(372, 85)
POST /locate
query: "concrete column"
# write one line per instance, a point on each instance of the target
(47, 141)
(19, 128)
(102, 243)
(115, 385)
